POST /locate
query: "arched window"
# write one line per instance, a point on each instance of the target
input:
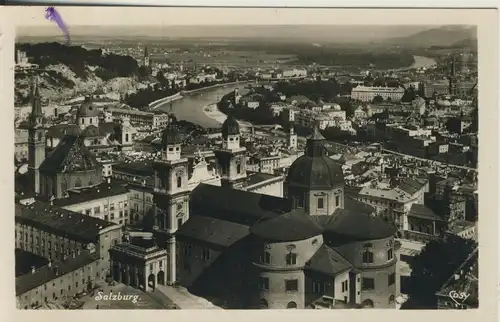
(265, 258)
(391, 299)
(179, 181)
(78, 182)
(126, 137)
(367, 257)
(90, 121)
(291, 305)
(367, 304)
(82, 121)
(291, 259)
(263, 304)
(238, 168)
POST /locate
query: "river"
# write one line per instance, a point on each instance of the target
(190, 108)
(420, 61)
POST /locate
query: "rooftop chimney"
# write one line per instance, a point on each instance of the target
(73, 253)
(50, 263)
(33, 270)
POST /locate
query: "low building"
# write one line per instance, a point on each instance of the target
(74, 275)
(141, 118)
(56, 233)
(368, 93)
(140, 263)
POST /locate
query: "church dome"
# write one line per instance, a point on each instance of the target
(314, 170)
(171, 136)
(230, 127)
(87, 109)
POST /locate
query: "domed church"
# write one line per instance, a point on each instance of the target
(98, 135)
(314, 248)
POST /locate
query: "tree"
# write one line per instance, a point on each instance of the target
(378, 99)
(435, 264)
(409, 95)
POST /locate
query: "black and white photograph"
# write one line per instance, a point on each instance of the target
(244, 166)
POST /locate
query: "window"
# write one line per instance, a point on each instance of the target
(112, 206)
(264, 283)
(337, 201)
(392, 279)
(291, 259)
(106, 217)
(291, 305)
(390, 254)
(88, 212)
(321, 203)
(317, 287)
(367, 257)
(97, 210)
(179, 222)
(265, 258)
(126, 137)
(238, 168)
(150, 267)
(121, 214)
(291, 285)
(120, 205)
(345, 286)
(179, 181)
(368, 284)
(112, 216)
(205, 254)
(187, 249)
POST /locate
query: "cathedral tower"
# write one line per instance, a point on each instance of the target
(315, 183)
(36, 138)
(231, 157)
(171, 195)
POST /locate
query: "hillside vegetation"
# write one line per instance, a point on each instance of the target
(68, 70)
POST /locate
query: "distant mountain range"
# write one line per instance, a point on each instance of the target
(405, 35)
(441, 36)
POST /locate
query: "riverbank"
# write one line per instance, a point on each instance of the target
(213, 112)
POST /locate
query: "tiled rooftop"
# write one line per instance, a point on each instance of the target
(60, 221)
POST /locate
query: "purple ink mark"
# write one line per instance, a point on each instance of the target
(53, 15)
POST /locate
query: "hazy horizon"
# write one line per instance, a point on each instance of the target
(288, 31)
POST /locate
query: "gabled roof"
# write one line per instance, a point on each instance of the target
(328, 261)
(292, 226)
(424, 212)
(61, 130)
(62, 222)
(214, 231)
(71, 154)
(234, 205)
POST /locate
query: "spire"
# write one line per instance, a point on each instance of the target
(316, 135)
(36, 107)
(146, 54)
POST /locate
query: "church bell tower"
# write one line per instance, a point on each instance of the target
(171, 195)
(36, 138)
(231, 157)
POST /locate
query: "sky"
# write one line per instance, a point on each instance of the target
(352, 24)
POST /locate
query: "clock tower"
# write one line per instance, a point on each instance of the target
(171, 195)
